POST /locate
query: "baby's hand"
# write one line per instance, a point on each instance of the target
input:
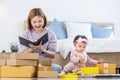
(100, 61)
(81, 60)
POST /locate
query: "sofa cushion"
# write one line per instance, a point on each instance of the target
(59, 29)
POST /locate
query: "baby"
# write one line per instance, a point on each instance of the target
(79, 57)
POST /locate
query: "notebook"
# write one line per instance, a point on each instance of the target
(26, 42)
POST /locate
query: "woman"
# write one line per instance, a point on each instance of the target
(36, 29)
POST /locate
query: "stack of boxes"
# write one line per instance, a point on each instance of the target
(107, 68)
(18, 65)
(46, 72)
(24, 65)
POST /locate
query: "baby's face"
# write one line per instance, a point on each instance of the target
(80, 47)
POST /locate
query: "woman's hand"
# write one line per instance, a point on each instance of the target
(28, 50)
(39, 47)
(100, 61)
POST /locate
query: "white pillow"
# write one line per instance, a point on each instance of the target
(64, 46)
(75, 28)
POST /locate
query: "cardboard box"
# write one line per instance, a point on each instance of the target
(0, 71)
(2, 62)
(48, 79)
(24, 56)
(21, 62)
(90, 70)
(17, 71)
(6, 55)
(18, 79)
(44, 68)
(45, 62)
(47, 74)
(107, 68)
(1, 55)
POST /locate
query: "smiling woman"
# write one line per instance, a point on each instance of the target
(36, 24)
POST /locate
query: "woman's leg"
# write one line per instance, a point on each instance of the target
(56, 67)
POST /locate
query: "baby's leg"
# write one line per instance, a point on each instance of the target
(69, 67)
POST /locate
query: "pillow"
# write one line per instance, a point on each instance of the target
(112, 33)
(59, 29)
(101, 32)
(64, 46)
(75, 28)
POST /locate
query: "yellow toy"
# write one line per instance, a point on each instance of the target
(69, 76)
(77, 72)
(90, 70)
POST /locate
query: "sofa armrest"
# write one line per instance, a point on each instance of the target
(58, 59)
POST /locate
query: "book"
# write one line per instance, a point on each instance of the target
(26, 42)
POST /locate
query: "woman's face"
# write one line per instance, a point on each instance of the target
(37, 23)
(80, 47)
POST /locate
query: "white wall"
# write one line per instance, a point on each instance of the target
(14, 12)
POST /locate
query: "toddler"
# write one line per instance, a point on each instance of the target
(79, 57)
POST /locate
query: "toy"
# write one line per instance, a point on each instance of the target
(77, 72)
(69, 76)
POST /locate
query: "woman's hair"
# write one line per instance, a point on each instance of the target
(79, 36)
(36, 12)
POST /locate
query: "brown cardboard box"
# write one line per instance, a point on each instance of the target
(1, 55)
(47, 74)
(6, 55)
(0, 71)
(18, 79)
(45, 62)
(24, 56)
(2, 62)
(21, 62)
(50, 79)
(44, 68)
(17, 71)
(107, 68)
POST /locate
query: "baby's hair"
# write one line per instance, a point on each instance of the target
(79, 36)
